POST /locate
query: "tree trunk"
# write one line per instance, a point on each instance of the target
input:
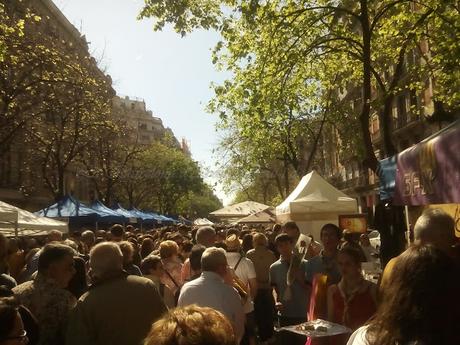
(386, 123)
(60, 184)
(370, 160)
(286, 175)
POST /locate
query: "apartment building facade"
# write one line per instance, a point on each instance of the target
(412, 122)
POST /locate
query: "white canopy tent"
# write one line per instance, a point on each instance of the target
(261, 217)
(235, 212)
(18, 222)
(313, 203)
(203, 222)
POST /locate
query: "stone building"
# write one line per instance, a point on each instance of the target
(147, 127)
(14, 179)
(412, 122)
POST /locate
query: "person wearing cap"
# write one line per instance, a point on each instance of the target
(245, 271)
(287, 278)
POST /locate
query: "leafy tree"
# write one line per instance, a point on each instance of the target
(199, 205)
(51, 92)
(160, 178)
(108, 155)
(22, 58)
(285, 56)
(66, 131)
(270, 45)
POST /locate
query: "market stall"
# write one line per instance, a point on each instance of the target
(426, 175)
(313, 203)
(18, 222)
(76, 213)
(262, 217)
(233, 213)
(203, 222)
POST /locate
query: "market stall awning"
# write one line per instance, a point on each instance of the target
(203, 222)
(315, 197)
(18, 222)
(262, 217)
(241, 210)
(71, 208)
(426, 173)
(131, 216)
(106, 214)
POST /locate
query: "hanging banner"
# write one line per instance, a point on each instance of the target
(429, 172)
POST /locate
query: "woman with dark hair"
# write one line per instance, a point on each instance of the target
(185, 249)
(11, 326)
(353, 301)
(420, 305)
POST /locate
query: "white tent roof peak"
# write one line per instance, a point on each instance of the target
(243, 209)
(315, 194)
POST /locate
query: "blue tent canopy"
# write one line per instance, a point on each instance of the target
(160, 219)
(168, 220)
(146, 217)
(387, 176)
(106, 214)
(69, 207)
(133, 217)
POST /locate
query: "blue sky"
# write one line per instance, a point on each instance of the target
(172, 74)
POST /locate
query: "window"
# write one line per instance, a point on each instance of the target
(132, 105)
(375, 125)
(142, 126)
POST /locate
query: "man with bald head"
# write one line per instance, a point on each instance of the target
(119, 309)
(434, 227)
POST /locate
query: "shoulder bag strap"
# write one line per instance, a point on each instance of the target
(236, 266)
(171, 277)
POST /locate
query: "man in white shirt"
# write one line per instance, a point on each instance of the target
(245, 271)
(210, 290)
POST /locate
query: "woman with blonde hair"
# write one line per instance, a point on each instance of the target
(192, 325)
(169, 253)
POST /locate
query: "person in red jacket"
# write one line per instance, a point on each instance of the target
(353, 301)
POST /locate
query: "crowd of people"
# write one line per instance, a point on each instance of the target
(226, 285)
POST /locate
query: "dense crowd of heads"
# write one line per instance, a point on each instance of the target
(422, 284)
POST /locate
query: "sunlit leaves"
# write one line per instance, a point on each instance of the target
(52, 97)
(285, 57)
